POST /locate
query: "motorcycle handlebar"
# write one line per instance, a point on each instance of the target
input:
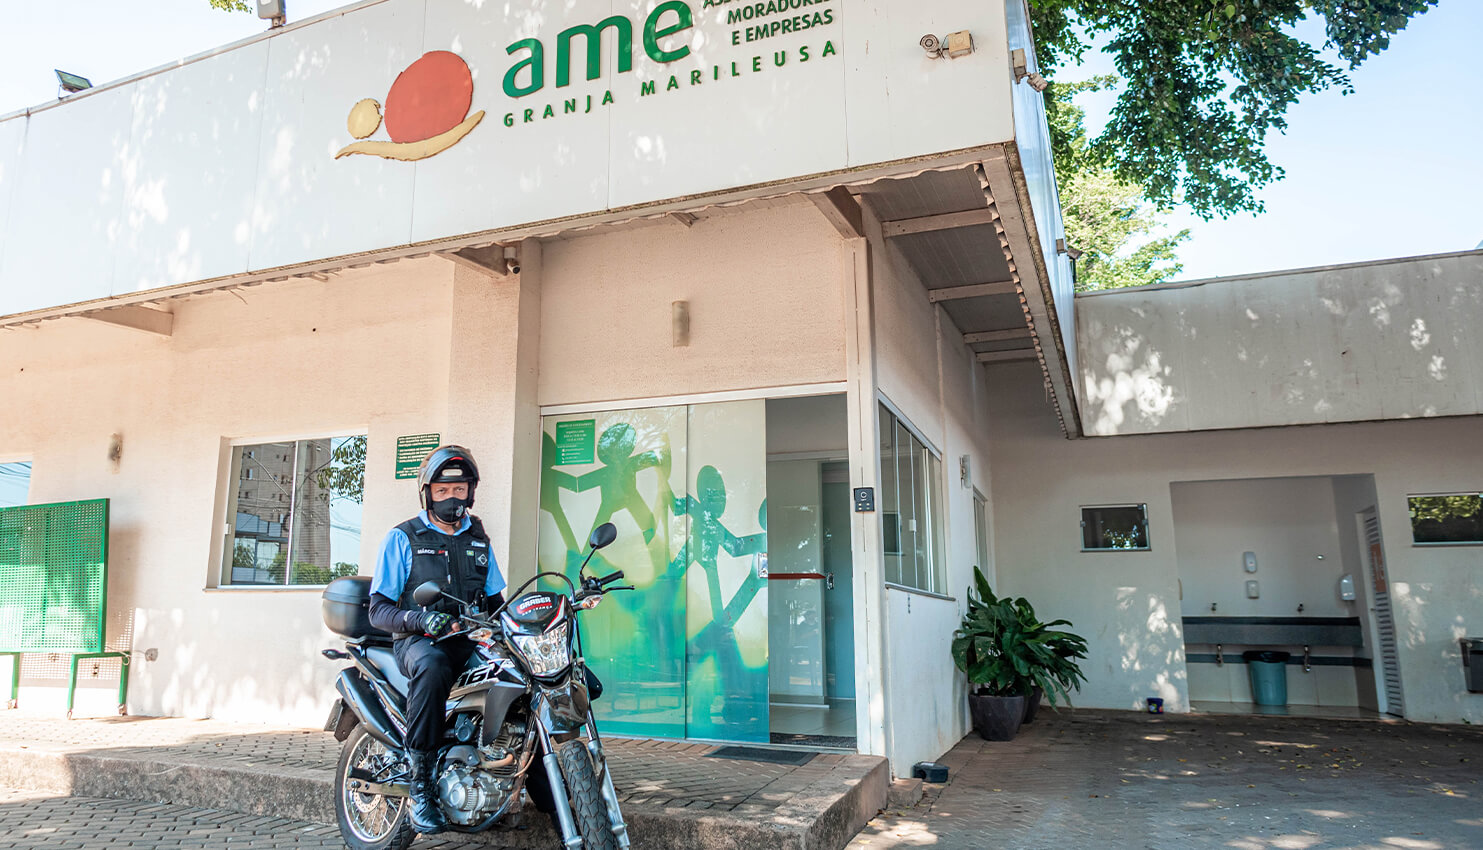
(609, 579)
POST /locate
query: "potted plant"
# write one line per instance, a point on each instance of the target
(1053, 673)
(1007, 653)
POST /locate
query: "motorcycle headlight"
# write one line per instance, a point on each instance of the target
(546, 653)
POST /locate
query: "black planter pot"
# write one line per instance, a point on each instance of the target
(997, 718)
(1032, 702)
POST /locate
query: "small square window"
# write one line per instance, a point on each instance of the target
(1114, 528)
(1447, 518)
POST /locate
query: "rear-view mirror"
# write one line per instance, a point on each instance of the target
(603, 535)
(427, 593)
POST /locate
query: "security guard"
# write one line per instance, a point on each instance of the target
(446, 544)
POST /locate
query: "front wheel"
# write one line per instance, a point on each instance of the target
(589, 809)
(370, 821)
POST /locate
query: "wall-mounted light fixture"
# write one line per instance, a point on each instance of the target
(274, 11)
(680, 323)
(71, 83)
(1020, 62)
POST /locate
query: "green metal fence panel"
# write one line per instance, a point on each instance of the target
(54, 577)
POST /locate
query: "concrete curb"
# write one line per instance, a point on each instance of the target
(824, 815)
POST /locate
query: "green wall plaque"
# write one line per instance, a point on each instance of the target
(576, 442)
(410, 452)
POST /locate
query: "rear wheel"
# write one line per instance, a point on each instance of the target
(589, 809)
(370, 821)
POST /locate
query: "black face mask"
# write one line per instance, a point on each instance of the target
(450, 510)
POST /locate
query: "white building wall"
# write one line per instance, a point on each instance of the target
(1288, 523)
(367, 351)
(224, 164)
(928, 373)
(1370, 341)
(1127, 603)
(765, 302)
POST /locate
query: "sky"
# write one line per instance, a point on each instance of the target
(1394, 170)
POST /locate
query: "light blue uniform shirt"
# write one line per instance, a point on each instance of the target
(394, 563)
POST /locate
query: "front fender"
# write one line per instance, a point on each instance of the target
(562, 708)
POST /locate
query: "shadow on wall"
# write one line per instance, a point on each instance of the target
(1132, 389)
(1151, 650)
(1428, 634)
(210, 664)
(1383, 341)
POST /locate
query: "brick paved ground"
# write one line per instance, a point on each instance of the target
(647, 772)
(1093, 779)
(30, 820)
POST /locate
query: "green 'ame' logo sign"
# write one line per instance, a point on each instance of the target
(667, 19)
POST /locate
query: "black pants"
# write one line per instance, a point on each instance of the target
(431, 667)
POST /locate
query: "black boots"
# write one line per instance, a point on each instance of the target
(426, 817)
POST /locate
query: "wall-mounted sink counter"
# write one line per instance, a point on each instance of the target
(1273, 631)
(1325, 667)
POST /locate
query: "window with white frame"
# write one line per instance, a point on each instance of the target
(1446, 518)
(294, 511)
(15, 483)
(911, 508)
(981, 529)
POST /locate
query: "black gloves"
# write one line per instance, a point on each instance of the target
(435, 624)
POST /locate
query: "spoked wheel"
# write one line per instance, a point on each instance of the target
(369, 821)
(589, 809)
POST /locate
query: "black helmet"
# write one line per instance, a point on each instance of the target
(447, 464)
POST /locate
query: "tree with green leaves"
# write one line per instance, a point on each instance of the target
(231, 5)
(1207, 80)
(1106, 217)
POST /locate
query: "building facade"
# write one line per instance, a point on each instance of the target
(768, 286)
(667, 265)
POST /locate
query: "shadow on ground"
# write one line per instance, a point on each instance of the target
(1084, 779)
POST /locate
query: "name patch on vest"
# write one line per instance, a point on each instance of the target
(432, 552)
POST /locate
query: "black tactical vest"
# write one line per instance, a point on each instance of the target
(459, 563)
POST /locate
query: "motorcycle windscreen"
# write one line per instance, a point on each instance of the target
(626, 467)
(725, 568)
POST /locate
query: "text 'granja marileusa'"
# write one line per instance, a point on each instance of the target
(661, 38)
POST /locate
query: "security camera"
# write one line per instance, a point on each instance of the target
(1037, 82)
(933, 45)
(512, 265)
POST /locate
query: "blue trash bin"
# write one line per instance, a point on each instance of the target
(1268, 670)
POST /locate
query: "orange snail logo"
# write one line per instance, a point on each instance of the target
(426, 113)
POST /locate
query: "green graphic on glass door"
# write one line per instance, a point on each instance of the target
(685, 655)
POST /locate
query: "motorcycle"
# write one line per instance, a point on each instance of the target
(525, 697)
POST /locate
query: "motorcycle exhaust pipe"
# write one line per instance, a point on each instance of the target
(356, 692)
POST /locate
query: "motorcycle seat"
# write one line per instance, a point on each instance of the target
(385, 661)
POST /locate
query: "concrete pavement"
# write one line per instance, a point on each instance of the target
(1095, 779)
(673, 794)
